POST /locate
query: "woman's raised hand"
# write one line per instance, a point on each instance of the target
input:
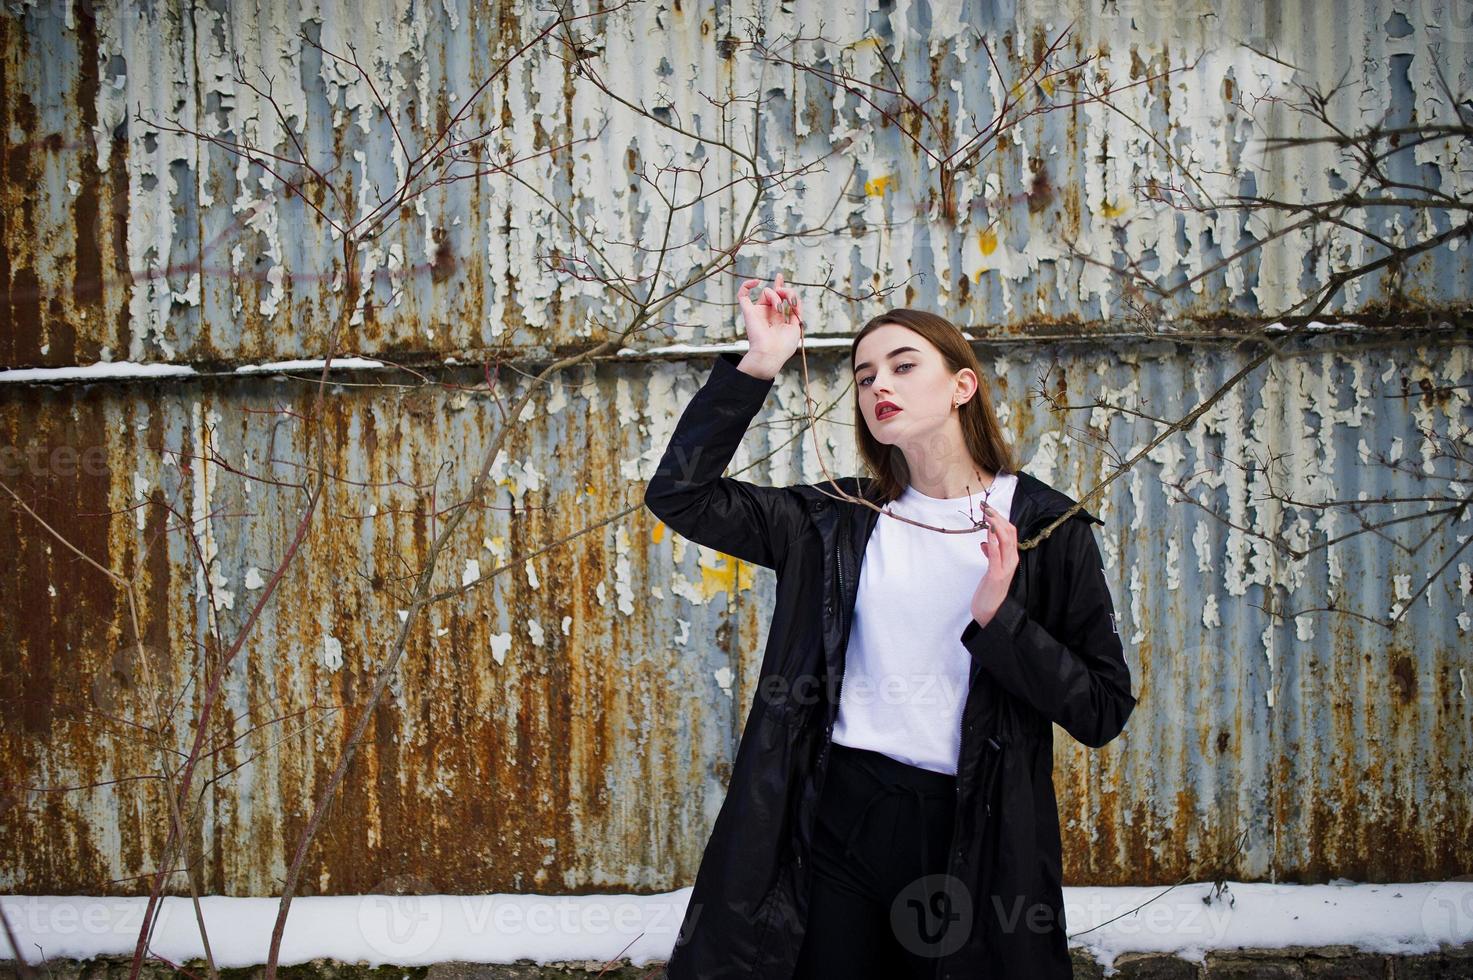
(1001, 549)
(773, 321)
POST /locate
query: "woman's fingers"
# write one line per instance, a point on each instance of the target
(991, 550)
(777, 296)
(1000, 524)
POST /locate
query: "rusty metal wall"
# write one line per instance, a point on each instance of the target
(544, 734)
(125, 241)
(582, 713)
(571, 728)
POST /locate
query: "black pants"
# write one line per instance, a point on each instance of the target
(880, 904)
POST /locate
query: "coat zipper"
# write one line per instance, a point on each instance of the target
(843, 594)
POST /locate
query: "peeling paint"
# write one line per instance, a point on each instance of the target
(332, 652)
(500, 644)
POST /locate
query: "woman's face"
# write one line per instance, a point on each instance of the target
(895, 366)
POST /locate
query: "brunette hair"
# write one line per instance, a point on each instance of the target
(980, 429)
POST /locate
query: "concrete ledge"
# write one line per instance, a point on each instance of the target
(1293, 963)
(1298, 963)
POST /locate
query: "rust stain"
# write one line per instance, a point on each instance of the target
(74, 691)
(87, 283)
(1403, 678)
(1041, 191)
(20, 311)
(442, 266)
(1161, 87)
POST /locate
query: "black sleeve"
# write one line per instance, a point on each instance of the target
(688, 492)
(1079, 680)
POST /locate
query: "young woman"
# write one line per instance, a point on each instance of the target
(891, 809)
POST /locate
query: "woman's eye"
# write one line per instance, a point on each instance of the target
(905, 364)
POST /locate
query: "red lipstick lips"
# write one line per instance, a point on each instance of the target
(884, 410)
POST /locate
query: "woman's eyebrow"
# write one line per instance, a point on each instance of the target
(898, 350)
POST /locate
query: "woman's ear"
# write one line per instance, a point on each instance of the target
(969, 385)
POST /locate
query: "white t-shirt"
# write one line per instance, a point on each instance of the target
(906, 670)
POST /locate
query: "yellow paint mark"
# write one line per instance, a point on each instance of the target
(730, 576)
(746, 573)
(987, 242)
(877, 186)
(1047, 84)
(658, 534)
(1112, 211)
(719, 579)
(588, 488)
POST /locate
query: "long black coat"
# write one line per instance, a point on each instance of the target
(1051, 654)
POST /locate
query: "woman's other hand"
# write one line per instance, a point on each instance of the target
(774, 325)
(1001, 549)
